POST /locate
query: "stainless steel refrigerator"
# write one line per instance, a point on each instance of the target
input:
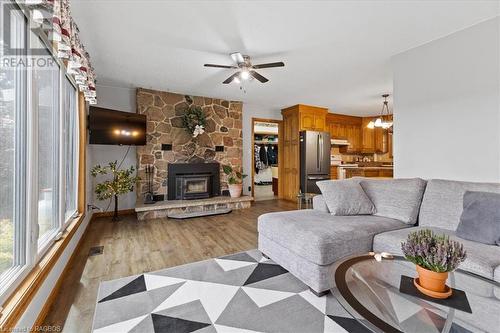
(314, 159)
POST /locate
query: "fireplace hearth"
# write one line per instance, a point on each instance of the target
(193, 181)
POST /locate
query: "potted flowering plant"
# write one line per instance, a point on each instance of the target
(234, 180)
(434, 256)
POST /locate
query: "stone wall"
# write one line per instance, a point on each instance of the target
(164, 111)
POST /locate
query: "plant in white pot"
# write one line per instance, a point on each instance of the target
(234, 180)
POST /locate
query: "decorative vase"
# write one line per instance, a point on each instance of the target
(235, 190)
(432, 284)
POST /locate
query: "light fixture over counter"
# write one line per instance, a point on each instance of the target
(384, 119)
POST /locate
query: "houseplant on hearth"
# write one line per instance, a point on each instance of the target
(122, 182)
(434, 256)
(234, 181)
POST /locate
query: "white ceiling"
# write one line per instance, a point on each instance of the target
(336, 53)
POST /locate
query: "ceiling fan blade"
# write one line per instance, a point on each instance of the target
(237, 57)
(231, 78)
(258, 76)
(219, 66)
(269, 65)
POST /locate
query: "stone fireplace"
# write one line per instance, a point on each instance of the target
(169, 143)
(193, 181)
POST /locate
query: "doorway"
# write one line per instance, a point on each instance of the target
(265, 158)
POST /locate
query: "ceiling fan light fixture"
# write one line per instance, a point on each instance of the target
(237, 57)
(245, 75)
(236, 80)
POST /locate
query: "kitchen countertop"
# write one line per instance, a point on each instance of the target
(364, 167)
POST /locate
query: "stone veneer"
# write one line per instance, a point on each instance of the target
(163, 209)
(164, 111)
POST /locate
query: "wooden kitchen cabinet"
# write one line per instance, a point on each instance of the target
(380, 135)
(389, 145)
(374, 140)
(334, 172)
(388, 173)
(345, 127)
(368, 136)
(312, 118)
(354, 137)
(295, 119)
(307, 121)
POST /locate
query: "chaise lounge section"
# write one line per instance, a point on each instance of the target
(309, 242)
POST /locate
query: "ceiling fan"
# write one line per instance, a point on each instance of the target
(245, 68)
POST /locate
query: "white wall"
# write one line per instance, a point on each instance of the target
(446, 107)
(120, 99)
(253, 111)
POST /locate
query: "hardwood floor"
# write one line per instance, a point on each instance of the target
(132, 247)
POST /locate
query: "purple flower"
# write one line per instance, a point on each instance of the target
(434, 252)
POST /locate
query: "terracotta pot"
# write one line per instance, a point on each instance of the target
(432, 280)
(235, 190)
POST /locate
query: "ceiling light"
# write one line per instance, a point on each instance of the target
(384, 119)
(237, 57)
(245, 74)
(236, 80)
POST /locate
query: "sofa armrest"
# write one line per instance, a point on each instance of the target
(320, 204)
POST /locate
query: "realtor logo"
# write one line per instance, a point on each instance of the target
(19, 46)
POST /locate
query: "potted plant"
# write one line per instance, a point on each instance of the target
(234, 180)
(122, 182)
(434, 256)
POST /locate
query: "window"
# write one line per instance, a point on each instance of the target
(46, 114)
(70, 156)
(38, 148)
(13, 92)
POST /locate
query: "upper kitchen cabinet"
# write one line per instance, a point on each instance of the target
(368, 136)
(311, 118)
(381, 145)
(345, 127)
(374, 140)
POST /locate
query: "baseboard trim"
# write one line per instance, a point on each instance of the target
(111, 213)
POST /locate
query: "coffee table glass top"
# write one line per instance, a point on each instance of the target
(369, 290)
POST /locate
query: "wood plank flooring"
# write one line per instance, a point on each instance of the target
(132, 247)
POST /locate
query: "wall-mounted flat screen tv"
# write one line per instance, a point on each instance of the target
(110, 127)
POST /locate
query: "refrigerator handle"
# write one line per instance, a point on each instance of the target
(317, 153)
(321, 151)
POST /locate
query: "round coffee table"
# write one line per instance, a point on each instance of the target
(369, 290)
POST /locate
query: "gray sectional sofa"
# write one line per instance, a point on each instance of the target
(309, 242)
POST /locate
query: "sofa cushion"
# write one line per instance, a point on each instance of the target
(396, 198)
(442, 204)
(319, 204)
(323, 238)
(480, 220)
(344, 197)
(481, 259)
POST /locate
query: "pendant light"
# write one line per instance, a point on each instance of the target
(380, 122)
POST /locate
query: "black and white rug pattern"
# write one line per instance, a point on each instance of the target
(243, 292)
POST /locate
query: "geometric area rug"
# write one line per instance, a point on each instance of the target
(242, 292)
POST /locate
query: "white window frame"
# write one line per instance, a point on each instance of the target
(11, 278)
(46, 241)
(65, 78)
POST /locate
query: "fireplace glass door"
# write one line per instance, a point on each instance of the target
(193, 187)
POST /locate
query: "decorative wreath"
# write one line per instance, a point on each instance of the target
(194, 120)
